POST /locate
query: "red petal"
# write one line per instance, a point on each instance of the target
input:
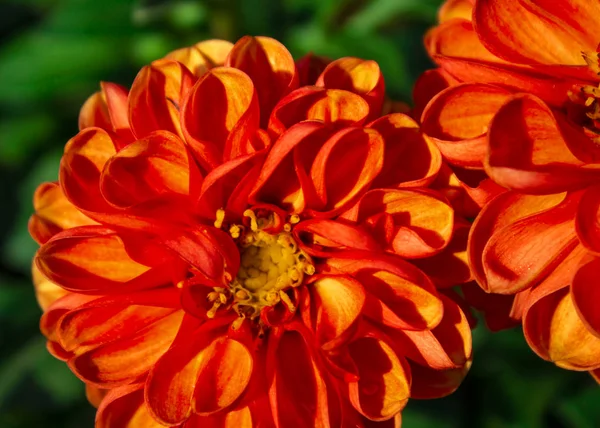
(511, 30)
(555, 332)
(458, 118)
(314, 103)
(339, 301)
(156, 97)
(220, 115)
(124, 407)
(309, 68)
(427, 86)
(384, 384)
(158, 165)
(553, 155)
(297, 390)
(586, 295)
(428, 383)
(202, 56)
(410, 159)
(269, 65)
(587, 221)
(363, 77)
(80, 168)
(322, 237)
(94, 259)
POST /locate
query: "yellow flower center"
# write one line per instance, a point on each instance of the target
(269, 265)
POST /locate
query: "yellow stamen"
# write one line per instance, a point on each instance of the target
(253, 221)
(220, 217)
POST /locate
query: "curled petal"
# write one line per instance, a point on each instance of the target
(297, 390)
(53, 213)
(587, 221)
(507, 212)
(511, 29)
(586, 294)
(128, 357)
(46, 292)
(421, 221)
(202, 56)
(455, 9)
(321, 237)
(314, 103)
(339, 302)
(94, 259)
(95, 395)
(269, 65)
(457, 38)
(220, 129)
(555, 332)
(553, 156)
(158, 165)
(410, 159)
(156, 97)
(428, 383)
(427, 86)
(383, 387)
(363, 77)
(124, 407)
(81, 166)
(310, 67)
(458, 118)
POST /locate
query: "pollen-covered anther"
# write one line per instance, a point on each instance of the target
(269, 264)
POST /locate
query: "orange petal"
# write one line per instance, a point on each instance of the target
(363, 77)
(297, 390)
(220, 115)
(46, 292)
(398, 294)
(457, 38)
(95, 395)
(553, 155)
(422, 222)
(555, 332)
(446, 346)
(587, 221)
(202, 56)
(339, 302)
(121, 361)
(269, 65)
(410, 159)
(427, 86)
(156, 97)
(458, 118)
(313, 103)
(521, 253)
(80, 168)
(502, 212)
(53, 213)
(428, 383)
(322, 237)
(455, 9)
(94, 259)
(383, 387)
(511, 29)
(149, 168)
(345, 166)
(586, 295)
(124, 407)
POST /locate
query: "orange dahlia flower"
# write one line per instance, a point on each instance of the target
(239, 240)
(517, 95)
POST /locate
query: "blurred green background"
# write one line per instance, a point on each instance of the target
(53, 53)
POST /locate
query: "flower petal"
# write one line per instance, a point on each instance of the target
(521, 253)
(80, 168)
(53, 213)
(553, 156)
(587, 221)
(94, 259)
(156, 96)
(511, 29)
(269, 65)
(457, 120)
(46, 292)
(455, 9)
(383, 387)
(363, 77)
(322, 237)
(428, 383)
(555, 332)
(220, 129)
(410, 159)
(314, 103)
(586, 295)
(339, 301)
(202, 56)
(124, 407)
(158, 165)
